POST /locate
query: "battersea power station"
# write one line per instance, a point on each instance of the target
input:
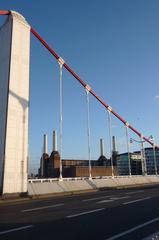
(50, 165)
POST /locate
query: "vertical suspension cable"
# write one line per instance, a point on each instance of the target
(87, 88)
(128, 150)
(110, 139)
(61, 62)
(143, 159)
(154, 156)
(145, 163)
(44, 43)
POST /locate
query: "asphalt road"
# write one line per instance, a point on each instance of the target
(104, 215)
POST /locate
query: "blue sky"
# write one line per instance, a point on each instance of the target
(113, 45)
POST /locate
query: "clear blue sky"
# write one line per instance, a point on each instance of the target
(113, 45)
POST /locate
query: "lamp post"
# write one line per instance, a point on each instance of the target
(143, 161)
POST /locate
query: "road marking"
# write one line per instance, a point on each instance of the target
(16, 229)
(118, 198)
(135, 192)
(137, 200)
(105, 201)
(155, 189)
(133, 229)
(92, 199)
(84, 213)
(112, 199)
(153, 236)
(39, 208)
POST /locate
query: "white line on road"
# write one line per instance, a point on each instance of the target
(118, 198)
(154, 189)
(39, 208)
(134, 192)
(105, 201)
(16, 229)
(84, 213)
(153, 236)
(93, 199)
(112, 199)
(133, 229)
(137, 200)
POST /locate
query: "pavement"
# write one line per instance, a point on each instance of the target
(131, 214)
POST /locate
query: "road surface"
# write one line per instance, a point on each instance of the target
(104, 215)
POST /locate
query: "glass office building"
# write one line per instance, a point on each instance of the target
(151, 160)
(123, 164)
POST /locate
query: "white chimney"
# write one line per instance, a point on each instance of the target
(114, 143)
(54, 141)
(101, 147)
(42, 166)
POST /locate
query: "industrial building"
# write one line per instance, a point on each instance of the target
(50, 165)
(123, 164)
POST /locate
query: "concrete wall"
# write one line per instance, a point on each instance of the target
(53, 186)
(14, 105)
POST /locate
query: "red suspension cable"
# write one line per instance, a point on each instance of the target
(44, 43)
(6, 12)
(56, 56)
(84, 85)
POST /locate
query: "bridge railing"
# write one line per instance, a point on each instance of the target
(44, 180)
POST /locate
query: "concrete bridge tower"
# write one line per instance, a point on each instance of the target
(14, 104)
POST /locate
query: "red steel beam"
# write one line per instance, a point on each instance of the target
(6, 12)
(84, 85)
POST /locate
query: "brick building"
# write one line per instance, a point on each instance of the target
(50, 165)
